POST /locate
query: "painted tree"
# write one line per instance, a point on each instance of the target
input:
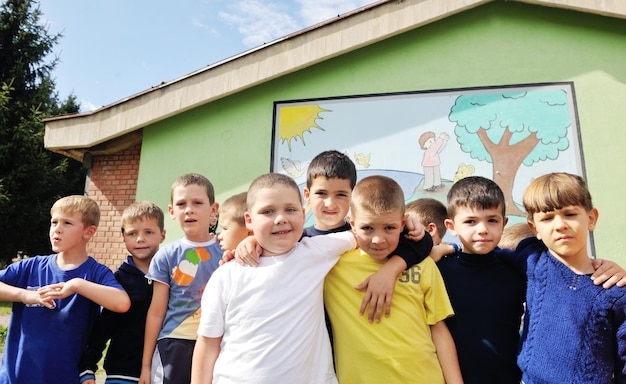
(510, 129)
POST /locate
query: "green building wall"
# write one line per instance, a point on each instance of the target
(501, 43)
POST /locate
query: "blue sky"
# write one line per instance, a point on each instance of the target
(116, 48)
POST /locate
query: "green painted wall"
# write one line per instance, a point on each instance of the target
(497, 44)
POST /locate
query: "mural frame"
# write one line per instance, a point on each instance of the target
(426, 140)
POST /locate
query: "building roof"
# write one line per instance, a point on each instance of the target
(118, 125)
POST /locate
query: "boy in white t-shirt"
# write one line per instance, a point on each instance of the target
(266, 324)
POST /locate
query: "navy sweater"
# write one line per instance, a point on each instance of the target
(487, 293)
(124, 330)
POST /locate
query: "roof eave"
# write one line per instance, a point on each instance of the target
(76, 134)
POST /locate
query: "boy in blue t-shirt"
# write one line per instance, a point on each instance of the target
(56, 299)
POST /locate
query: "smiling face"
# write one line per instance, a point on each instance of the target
(276, 218)
(377, 234)
(479, 230)
(564, 231)
(329, 200)
(192, 209)
(142, 238)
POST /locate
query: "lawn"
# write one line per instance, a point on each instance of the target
(5, 309)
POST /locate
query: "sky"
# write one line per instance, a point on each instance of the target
(113, 49)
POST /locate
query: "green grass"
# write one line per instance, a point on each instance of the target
(5, 309)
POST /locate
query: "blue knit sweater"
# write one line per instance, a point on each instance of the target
(574, 331)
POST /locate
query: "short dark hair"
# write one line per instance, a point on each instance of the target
(331, 165)
(475, 192)
(195, 179)
(428, 211)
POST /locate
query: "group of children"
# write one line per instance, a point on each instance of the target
(456, 314)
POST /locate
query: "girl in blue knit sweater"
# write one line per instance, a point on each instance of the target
(574, 331)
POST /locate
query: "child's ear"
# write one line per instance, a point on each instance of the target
(404, 219)
(593, 218)
(532, 227)
(248, 219)
(170, 209)
(306, 194)
(450, 225)
(90, 231)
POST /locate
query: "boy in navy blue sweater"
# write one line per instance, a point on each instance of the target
(143, 231)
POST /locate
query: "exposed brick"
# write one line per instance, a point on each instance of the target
(113, 184)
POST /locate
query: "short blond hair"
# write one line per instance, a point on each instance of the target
(554, 191)
(142, 210)
(377, 195)
(90, 212)
(235, 207)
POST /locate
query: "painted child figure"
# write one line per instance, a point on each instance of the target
(142, 231)
(56, 299)
(574, 331)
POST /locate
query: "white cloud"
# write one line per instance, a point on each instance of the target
(315, 11)
(260, 21)
(197, 23)
(87, 106)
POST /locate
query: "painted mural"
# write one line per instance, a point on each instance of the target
(426, 141)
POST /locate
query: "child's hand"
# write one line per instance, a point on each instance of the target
(248, 252)
(378, 296)
(380, 287)
(415, 228)
(608, 274)
(226, 257)
(89, 381)
(45, 295)
(440, 251)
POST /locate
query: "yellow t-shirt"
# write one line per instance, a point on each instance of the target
(399, 349)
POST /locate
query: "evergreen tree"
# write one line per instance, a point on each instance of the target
(31, 178)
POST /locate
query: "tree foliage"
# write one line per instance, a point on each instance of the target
(31, 178)
(510, 129)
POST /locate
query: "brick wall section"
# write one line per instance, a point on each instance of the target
(113, 185)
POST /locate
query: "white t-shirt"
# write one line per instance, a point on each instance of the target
(271, 316)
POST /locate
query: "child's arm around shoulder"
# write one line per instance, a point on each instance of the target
(608, 273)
(381, 285)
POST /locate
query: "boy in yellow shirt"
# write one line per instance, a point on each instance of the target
(413, 344)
